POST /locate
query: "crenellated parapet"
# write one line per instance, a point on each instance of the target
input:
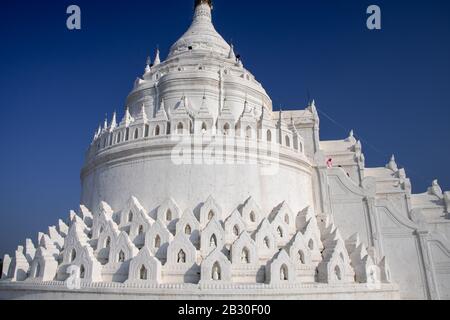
(105, 248)
(251, 126)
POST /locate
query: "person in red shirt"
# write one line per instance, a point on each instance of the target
(330, 163)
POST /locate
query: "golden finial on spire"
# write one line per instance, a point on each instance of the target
(199, 2)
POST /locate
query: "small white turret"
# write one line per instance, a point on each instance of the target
(157, 58)
(127, 118)
(105, 124)
(435, 189)
(392, 164)
(148, 65)
(161, 114)
(142, 116)
(351, 137)
(232, 55)
(113, 124)
(312, 107)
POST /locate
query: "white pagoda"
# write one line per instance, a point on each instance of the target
(202, 191)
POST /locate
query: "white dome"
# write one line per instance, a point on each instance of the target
(201, 35)
(202, 67)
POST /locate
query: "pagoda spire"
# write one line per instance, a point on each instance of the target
(157, 58)
(204, 111)
(113, 124)
(312, 107)
(436, 189)
(148, 64)
(226, 108)
(392, 164)
(105, 124)
(200, 2)
(127, 118)
(161, 114)
(232, 55)
(202, 12)
(142, 116)
(351, 137)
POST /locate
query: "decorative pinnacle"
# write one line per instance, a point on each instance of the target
(231, 54)
(105, 124)
(435, 189)
(148, 65)
(392, 164)
(351, 137)
(113, 124)
(157, 58)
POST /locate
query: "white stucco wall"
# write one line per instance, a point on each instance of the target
(153, 178)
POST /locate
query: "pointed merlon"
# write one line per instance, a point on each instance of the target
(162, 105)
(148, 65)
(143, 114)
(232, 55)
(392, 164)
(113, 124)
(204, 111)
(436, 190)
(351, 137)
(63, 228)
(105, 124)
(127, 119)
(85, 214)
(29, 247)
(157, 58)
(161, 114)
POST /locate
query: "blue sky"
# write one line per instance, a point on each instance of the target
(391, 86)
